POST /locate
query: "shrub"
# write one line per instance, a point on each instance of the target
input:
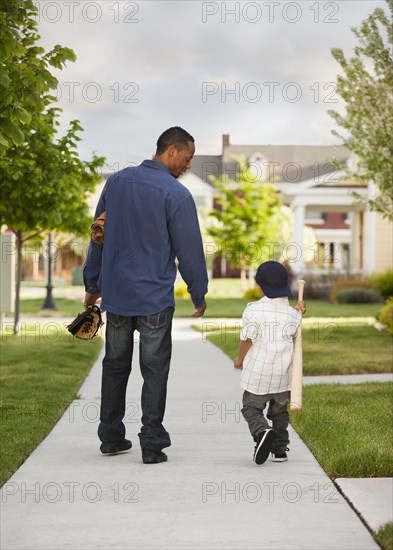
(352, 282)
(358, 295)
(319, 285)
(384, 283)
(386, 316)
(253, 294)
(181, 291)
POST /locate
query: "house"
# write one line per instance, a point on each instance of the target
(202, 191)
(349, 237)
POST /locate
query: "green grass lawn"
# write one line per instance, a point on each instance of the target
(65, 307)
(33, 284)
(348, 428)
(41, 372)
(329, 348)
(234, 307)
(346, 350)
(225, 288)
(216, 307)
(384, 536)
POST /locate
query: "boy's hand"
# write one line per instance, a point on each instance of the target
(237, 363)
(301, 307)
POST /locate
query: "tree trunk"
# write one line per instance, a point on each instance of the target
(49, 302)
(19, 244)
(251, 275)
(243, 277)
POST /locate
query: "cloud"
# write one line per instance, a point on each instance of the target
(142, 67)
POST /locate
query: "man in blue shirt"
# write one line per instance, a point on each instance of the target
(151, 219)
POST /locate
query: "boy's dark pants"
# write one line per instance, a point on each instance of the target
(253, 407)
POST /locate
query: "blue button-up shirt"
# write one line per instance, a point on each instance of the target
(150, 220)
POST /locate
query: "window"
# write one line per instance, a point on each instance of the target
(314, 216)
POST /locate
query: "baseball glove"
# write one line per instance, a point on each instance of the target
(98, 229)
(86, 325)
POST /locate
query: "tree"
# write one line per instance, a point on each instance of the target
(45, 185)
(25, 79)
(247, 221)
(367, 89)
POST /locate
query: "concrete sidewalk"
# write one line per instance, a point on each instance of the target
(208, 495)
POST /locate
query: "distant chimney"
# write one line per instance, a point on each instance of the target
(225, 141)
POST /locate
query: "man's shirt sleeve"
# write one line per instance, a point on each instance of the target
(187, 242)
(93, 262)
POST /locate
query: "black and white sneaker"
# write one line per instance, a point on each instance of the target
(280, 457)
(264, 446)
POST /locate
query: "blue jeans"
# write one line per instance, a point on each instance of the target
(154, 358)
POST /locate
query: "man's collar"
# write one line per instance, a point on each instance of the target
(156, 165)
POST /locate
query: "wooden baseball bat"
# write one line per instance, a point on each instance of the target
(297, 368)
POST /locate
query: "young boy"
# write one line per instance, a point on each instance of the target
(265, 355)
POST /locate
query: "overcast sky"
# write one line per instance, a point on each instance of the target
(145, 66)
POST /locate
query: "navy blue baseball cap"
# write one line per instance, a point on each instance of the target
(272, 277)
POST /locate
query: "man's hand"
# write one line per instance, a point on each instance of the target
(199, 311)
(237, 363)
(301, 307)
(90, 299)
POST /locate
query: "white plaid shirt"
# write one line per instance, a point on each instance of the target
(271, 324)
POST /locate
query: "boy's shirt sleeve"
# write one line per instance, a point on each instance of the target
(251, 329)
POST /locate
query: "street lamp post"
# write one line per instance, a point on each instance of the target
(49, 301)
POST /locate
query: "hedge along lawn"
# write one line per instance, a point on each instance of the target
(348, 428)
(234, 307)
(329, 348)
(41, 372)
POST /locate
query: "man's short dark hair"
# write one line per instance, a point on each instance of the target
(176, 137)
